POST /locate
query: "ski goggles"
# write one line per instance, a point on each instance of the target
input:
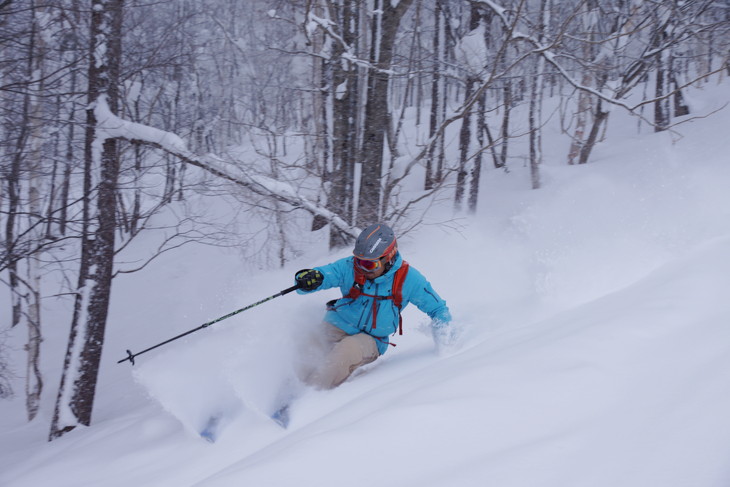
(368, 265)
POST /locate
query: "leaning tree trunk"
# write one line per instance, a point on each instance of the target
(583, 111)
(599, 119)
(81, 365)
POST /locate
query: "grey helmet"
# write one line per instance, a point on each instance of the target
(375, 242)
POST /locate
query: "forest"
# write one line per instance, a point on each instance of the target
(119, 117)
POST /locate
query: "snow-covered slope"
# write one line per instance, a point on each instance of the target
(625, 390)
(595, 345)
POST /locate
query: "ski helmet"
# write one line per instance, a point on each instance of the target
(375, 242)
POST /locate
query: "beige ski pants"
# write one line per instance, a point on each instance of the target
(334, 356)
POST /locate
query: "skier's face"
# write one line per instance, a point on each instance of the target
(375, 273)
(370, 268)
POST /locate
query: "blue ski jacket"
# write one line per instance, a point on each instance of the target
(356, 315)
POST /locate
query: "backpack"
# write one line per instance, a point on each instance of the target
(396, 294)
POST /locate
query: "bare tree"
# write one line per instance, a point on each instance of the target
(29, 208)
(668, 24)
(384, 27)
(437, 98)
(343, 80)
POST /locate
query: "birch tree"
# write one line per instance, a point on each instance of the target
(33, 377)
(25, 117)
(535, 83)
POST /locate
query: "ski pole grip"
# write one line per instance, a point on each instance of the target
(290, 289)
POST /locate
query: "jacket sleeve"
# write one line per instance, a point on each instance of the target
(337, 274)
(426, 299)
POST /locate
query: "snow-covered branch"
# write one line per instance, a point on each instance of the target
(111, 126)
(348, 53)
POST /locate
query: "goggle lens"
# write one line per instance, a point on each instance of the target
(368, 265)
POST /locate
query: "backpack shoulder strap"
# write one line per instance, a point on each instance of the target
(398, 280)
(356, 289)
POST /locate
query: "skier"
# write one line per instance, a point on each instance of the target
(376, 284)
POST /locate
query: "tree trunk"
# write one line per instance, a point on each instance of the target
(12, 183)
(505, 122)
(661, 110)
(583, 110)
(81, 365)
(385, 22)
(344, 95)
(599, 119)
(14, 188)
(33, 379)
(464, 145)
(69, 161)
(680, 106)
(581, 120)
(535, 124)
(476, 172)
(536, 95)
(436, 101)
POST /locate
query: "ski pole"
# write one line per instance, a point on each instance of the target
(130, 356)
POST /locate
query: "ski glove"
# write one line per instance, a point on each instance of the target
(444, 336)
(309, 279)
